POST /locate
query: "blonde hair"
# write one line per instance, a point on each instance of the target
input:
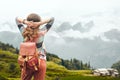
(30, 33)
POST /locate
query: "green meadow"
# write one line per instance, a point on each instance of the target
(57, 72)
(9, 70)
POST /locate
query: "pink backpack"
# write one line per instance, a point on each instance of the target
(28, 56)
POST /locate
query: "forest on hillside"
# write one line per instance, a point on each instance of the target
(10, 68)
(56, 67)
(72, 64)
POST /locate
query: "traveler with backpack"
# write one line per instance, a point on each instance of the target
(32, 54)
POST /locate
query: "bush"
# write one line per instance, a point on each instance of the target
(3, 78)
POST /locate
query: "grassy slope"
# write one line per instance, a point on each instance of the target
(84, 75)
(54, 71)
(8, 64)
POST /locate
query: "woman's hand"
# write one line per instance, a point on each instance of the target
(20, 20)
(36, 24)
(31, 23)
(41, 22)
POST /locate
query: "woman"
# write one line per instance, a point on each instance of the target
(35, 33)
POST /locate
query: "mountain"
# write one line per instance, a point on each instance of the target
(78, 26)
(67, 41)
(88, 25)
(64, 26)
(9, 67)
(11, 37)
(113, 35)
(101, 51)
(116, 65)
(83, 27)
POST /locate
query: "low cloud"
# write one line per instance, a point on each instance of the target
(113, 35)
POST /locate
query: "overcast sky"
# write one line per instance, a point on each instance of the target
(62, 10)
(73, 11)
(104, 13)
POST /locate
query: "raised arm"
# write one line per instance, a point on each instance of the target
(19, 22)
(49, 24)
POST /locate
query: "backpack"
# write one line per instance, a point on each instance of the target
(28, 56)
